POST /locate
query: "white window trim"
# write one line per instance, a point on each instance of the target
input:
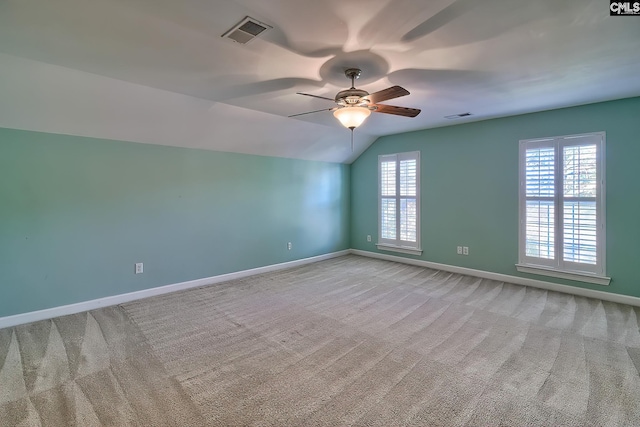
(580, 277)
(388, 245)
(558, 268)
(399, 249)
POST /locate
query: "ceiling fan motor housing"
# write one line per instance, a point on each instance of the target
(353, 98)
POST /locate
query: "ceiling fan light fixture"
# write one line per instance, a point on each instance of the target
(352, 117)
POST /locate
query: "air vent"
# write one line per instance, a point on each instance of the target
(246, 30)
(457, 116)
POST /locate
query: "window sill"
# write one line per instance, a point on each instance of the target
(400, 249)
(580, 277)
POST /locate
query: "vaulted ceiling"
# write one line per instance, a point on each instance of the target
(158, 71)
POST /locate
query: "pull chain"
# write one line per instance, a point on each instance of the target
(352, 128)
(352, 140)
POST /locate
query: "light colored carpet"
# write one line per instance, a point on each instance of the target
(88, 369)
(348, 341)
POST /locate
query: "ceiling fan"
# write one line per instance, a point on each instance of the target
(355, 105)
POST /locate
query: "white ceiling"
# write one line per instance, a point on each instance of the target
(157, 71)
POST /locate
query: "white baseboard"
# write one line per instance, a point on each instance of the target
(33, 316)
(589, 293)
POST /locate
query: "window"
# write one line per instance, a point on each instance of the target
(399, 202)
(562, 225)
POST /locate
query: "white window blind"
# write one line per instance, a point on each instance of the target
(399, 200)
(562, 224)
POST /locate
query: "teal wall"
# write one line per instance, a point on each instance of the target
(469, 188)
(77, 213)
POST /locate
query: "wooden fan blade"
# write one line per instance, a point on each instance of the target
(388, 93)
(311, 112)
(398, 111)
(316, 96)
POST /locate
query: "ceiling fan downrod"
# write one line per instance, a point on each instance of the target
(353, 74)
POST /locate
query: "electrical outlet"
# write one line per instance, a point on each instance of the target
(368, 237)
(465, 250)
(459, 250)
(289, 246)
(139, 268)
